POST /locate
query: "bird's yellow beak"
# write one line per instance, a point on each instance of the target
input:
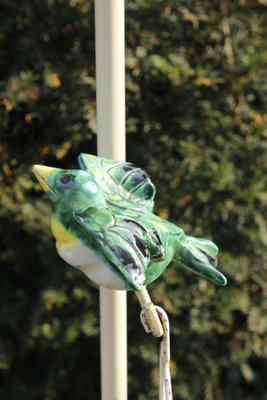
(42, 172)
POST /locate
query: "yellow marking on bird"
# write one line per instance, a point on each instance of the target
(61, 234)
(132, 213)
(96, 172)
(115, 197)
(157, 221)
(161, 225)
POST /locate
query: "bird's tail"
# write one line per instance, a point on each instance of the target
(200, 257)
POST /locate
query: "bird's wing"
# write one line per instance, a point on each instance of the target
(122, 179)
(119, 243)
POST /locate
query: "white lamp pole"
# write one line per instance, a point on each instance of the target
(110, 94)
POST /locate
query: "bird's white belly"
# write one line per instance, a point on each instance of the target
(80, 256)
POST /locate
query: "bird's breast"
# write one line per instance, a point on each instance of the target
(61, 234)
(75, 253)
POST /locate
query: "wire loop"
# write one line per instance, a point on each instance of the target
(155, 320)
(165, 389)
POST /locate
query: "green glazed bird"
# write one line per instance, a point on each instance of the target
(103, 223)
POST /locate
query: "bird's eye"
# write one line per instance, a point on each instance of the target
(67, 178)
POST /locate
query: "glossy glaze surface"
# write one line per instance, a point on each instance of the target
(103, 223)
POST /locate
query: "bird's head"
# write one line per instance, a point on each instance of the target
(75, 189)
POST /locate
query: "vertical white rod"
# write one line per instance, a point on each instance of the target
(110, 86)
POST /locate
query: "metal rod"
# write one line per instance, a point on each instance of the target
(149, 315)
(110, 83)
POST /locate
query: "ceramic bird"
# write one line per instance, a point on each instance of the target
(103, 222)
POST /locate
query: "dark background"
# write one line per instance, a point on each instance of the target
(196, 121)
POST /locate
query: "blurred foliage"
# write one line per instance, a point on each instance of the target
(196, 101)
